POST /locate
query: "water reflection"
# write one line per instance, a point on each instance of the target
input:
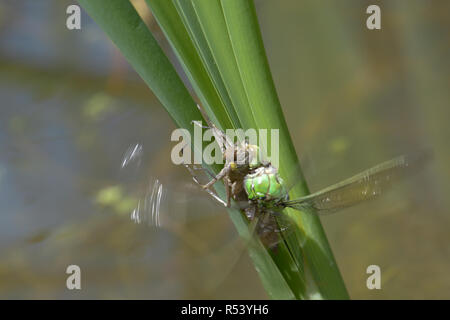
(71, 106)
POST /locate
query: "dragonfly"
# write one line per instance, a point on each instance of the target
(268, 195)
(258, 190)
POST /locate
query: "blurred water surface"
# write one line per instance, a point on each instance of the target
(71, 107)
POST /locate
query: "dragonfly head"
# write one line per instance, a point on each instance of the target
(265, 186)
(244, 155)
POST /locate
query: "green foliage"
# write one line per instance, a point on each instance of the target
(219, 46)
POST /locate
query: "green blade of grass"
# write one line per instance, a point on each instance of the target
(213, 27)
(125, 28)
(207, 24)
(171, 24)
(242, 24)
(297, 283)
(187, 13)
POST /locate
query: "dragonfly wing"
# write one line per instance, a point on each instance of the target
(161, 202)
(364, 186)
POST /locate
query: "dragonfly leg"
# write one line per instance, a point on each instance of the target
(227, 203)
(200, 168)
(228, 188)
(219, 176)
(211, 193)
(218, 199)
(199, 124)
(220, 137)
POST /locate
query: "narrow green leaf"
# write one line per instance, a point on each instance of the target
(216, 51)
(213, 26)
(209, 50)
(170, 22)
(189, 18)
(125, 28)
(242, 24)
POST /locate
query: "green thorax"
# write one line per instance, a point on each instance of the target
(266, 185)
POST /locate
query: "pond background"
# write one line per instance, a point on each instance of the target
(71, 107)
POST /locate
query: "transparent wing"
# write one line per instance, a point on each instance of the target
(163, 200)
(364, 186)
